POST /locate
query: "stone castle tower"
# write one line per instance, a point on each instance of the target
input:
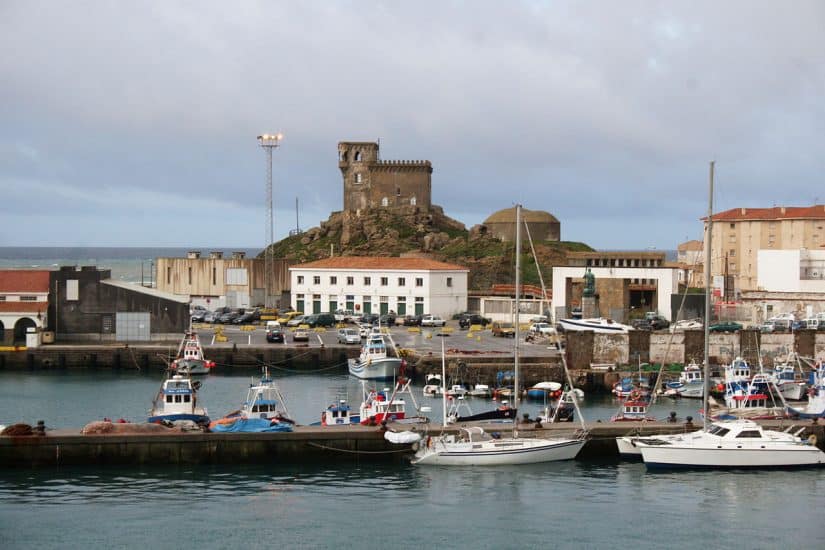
(373, 183)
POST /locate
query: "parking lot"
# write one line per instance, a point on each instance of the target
(422, 340)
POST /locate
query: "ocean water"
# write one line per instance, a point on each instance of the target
(128, 264)
(346, 504)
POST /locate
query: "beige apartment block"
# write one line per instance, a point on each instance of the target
(740, 233)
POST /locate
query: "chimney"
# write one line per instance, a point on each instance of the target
(215, 255)
(782, 209)
(238, 255)
(743, 211)
(193, 254)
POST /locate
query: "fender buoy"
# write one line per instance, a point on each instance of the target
(415, 446)
(429, 442)
(812, 440)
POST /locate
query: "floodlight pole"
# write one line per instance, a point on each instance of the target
(269, 142)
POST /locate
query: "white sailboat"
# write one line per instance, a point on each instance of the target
(473, 446)
(727, 444)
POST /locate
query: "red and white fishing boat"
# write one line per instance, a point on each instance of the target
(633, 409)
(190, 359)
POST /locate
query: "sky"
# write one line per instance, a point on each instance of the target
(135, 123)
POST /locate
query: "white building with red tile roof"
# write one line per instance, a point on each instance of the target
(24, 302)
(372, 284)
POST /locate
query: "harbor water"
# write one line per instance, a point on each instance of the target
(346, 503)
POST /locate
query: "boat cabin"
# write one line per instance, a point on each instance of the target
(339, 414)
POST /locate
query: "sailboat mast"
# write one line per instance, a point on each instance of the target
(443, 387)
(706, 373)
(518, 306)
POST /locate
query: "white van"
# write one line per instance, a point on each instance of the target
(814, 323)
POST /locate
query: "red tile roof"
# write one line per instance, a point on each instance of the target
(23, 280)
(23, 307)
(379, 262)
(816, 212)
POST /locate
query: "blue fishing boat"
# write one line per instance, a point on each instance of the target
(177, 400)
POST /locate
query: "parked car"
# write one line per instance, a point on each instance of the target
(300, 335)
(230, 316)
(274, 332)
(364, 329)
(641, 324)
(387, 320)
(412, 320)
(295, 321)
(657, 322)
(370, 318)
(432, 321)
(504, 328)
(344, 315)
(348, 336)
(247, 317)
(211, 317)
(320, 320)
(767, 327)
(725, 326)
(545, 329)
(466, 321)
(288, 316)
(200, 315)
(540, 319)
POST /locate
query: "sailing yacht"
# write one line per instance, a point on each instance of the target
(727, 444)
(475, 447)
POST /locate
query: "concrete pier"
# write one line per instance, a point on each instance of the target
(305, 444)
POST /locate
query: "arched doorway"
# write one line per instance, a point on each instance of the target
(20, 328)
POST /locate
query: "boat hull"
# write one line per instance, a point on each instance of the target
(806, 412)
(196, 418)
(381, 369)
(496, 414)
(704, 457)
(499, 453)
(627, 449)
(579, 324)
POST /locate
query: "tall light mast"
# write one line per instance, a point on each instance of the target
(269, 142)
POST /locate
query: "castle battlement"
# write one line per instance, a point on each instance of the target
(370, 182)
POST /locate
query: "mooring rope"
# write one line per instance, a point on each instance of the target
(327, 448)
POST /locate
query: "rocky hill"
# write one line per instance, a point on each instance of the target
(406, 230)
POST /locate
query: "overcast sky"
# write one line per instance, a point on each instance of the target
(134, 123)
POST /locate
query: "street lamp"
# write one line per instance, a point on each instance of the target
(269, 142)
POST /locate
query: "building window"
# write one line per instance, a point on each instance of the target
(385, 201)
(28, 298)
(2, 298)
(732, 252)
(333, 280)
(733, 238)
(367, 281)
(401, 299)
(169, 275)
(72, 289)
(402, 281)
(300, 279)
(412, 201)
(316, 279)
(449, 281)
(350, 281)
(214, 275)
(419, 281)
(189, 275)
(397, 191)
(733, 225)
(419, 299)
(358, 178)
(385, 281)
(357, 156)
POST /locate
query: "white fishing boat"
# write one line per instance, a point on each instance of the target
(727, 444)
(480, 390)
(263, 410)
(599, 325)
(788, 379)
(189, 358)
(473, 446)
(815, 408)
(377, 361)
(434, 386)
(691, 383)
(177, 400)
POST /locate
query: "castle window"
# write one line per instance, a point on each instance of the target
(397, 191)
(357, 178)
(412, 201)
(342, 155)
(357, 156)
(385, 201)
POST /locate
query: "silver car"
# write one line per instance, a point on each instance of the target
(348, 336)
